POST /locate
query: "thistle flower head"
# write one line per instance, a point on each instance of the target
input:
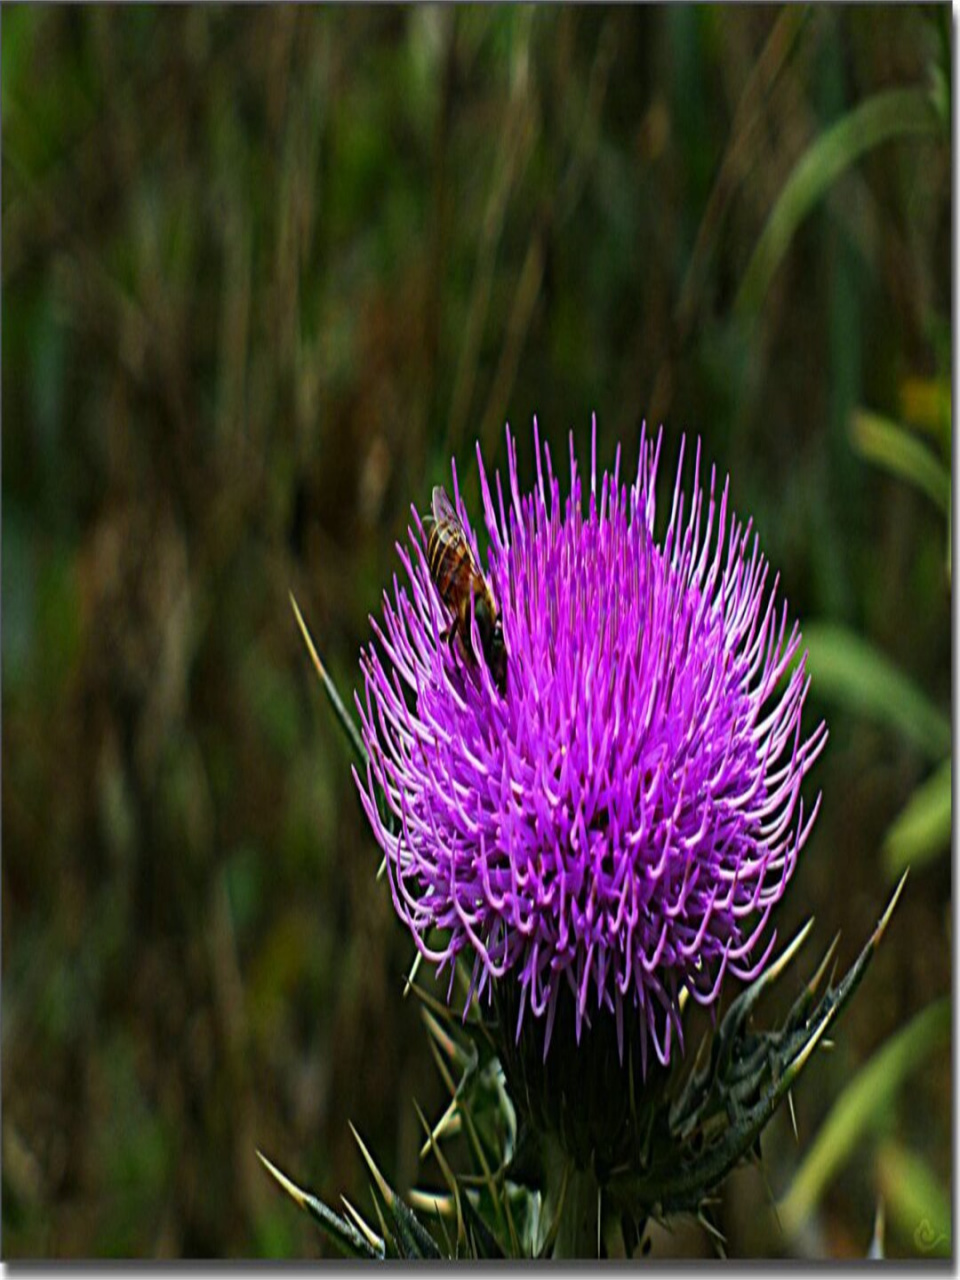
(615, 826)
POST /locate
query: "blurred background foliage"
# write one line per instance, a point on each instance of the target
(264, 271)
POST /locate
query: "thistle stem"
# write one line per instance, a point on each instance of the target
(572, 1203)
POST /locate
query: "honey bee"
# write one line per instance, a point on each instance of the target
(460, 584)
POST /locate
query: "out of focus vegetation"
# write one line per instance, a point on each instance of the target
(264, 271)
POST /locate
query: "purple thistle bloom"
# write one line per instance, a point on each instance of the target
(620, 822)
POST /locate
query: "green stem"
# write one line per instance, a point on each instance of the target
(572, 1203)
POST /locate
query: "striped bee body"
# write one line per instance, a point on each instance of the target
(463, 588)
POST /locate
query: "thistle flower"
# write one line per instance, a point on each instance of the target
(615, 827)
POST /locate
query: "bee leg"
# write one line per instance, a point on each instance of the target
(452, 635)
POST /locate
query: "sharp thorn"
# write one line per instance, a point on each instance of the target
(817, 978)
(362, 1226)
(885, 918)
(291, 1188)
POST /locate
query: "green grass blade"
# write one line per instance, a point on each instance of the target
(898, 113)
(922, 829)
(861, 1107)
(850, 671)
(894, 448)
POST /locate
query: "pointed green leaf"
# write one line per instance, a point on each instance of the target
(412, 1237)
(898, 451)
(896, 113)
(732, 1110)
(727, 1040)
(347, 723)
(445, 1169)
(392, 1248)
(417, 1239)
(861, 1107)
(922, 828)
(852, 672)
(344, 1234)
(482, 1239)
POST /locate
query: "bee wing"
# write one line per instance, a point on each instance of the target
(445, 517)
(454, 533)
(442, 506)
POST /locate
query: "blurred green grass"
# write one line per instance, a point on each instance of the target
(263, 272)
